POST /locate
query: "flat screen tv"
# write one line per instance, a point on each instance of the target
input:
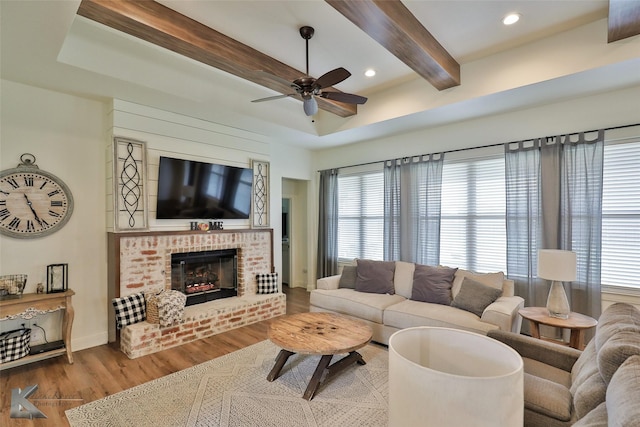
(189, 189)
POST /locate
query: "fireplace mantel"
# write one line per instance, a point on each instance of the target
(141, 261)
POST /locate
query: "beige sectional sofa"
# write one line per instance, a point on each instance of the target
(597, 387)
(395, 309)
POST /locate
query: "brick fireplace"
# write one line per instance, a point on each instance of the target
(142, 262)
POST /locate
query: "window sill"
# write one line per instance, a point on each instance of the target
(621, 290)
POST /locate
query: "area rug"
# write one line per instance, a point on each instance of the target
(232, 390)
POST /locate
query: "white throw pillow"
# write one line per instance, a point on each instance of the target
(490, 279)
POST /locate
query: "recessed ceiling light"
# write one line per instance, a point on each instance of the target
(511, 19)
(370, 72)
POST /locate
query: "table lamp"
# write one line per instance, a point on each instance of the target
(558, 266)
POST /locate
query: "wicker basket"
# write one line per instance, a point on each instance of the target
(152, 307)
(12, 285)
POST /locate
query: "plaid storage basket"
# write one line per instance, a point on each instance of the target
(14, 344)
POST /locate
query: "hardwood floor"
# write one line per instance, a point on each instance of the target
(104, 370)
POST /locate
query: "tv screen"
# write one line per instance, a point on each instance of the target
(195, 190)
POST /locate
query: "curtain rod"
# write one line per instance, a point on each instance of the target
(481, 146)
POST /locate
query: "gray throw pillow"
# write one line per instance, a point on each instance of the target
(432, 284)
(348, 277)
(375, 276)
(623, 405)
(475, 296)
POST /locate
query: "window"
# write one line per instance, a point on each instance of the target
(621, 215)
(361, 216)
(472, 230)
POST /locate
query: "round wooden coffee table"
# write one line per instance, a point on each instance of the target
(324, 334)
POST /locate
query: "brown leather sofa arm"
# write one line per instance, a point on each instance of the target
(550, 353)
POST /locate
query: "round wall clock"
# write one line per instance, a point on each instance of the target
(33, 202)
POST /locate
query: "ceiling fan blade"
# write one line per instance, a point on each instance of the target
(348, 98)
(278, 79)
(271, 98)
(331, 78)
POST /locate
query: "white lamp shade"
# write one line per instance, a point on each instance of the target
(442, 377)
(555, 264)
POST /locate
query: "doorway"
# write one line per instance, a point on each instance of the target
(286, 241)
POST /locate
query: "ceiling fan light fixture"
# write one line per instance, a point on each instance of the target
(511, 19)
(310, 106)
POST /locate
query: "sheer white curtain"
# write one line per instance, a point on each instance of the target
(413, 188)
(554, 201)
(328, 224)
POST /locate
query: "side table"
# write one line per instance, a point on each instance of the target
(576, 322)
(30, 305)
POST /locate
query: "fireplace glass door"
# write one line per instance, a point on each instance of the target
(205, 276)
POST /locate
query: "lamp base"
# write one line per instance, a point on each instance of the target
(557, 302)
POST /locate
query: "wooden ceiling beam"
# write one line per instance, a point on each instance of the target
(169, 29)
(391, 24)
(624, 19)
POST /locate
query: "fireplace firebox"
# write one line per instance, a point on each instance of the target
(206, 275)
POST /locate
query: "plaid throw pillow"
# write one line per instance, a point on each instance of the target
(267, 283)
(130, 309)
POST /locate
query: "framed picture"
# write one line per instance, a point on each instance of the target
(260, 197)
(130, 185)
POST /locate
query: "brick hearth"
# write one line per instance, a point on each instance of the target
(142, 262)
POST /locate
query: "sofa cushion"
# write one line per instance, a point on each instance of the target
(432, 284)
(375, 276)
(407, 314)
(475, 297)
(585, 366)
(547, 397)
(348, 277)
(589, 395)
(587, 386)
(403, 278)
(616, 318)
(490, 279)
(364, 305)
(596, 418)
(615, 351)
(623, 402)
(548, 372)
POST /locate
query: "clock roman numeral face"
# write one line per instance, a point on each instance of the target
(32, 203)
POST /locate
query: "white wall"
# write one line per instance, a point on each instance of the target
(66, 135)
(294, 163)
(590, 112)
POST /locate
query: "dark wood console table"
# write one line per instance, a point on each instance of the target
(31, 305)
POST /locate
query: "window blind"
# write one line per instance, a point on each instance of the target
(473, 231)
(621, 215)
(361, 216)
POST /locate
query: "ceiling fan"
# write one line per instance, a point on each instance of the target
(308, 87)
